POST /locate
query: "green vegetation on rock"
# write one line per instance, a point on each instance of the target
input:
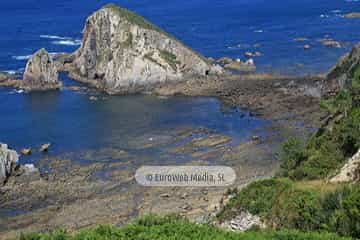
(170, 58)
(327, 150)
(175, 228)
(138, 20)
(302, 201)
(133, 18)
(305, 206)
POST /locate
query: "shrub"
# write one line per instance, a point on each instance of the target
(292, 154)
(341, 103)
(257, 198)
(175, 229)
(299, 209)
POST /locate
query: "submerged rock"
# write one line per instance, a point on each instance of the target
(41, 73)
(121, 52)
(8, 162)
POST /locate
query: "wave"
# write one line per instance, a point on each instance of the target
(69, 42)
(55, 37)
(12, 72)
(239, 46)
(336, 11)
(21, 58)
(259, 31)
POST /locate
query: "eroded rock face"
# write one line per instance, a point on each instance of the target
(8, 161)
(350, 172)
(41, 72)
(341, 74)
(242, 222)
(121, 52)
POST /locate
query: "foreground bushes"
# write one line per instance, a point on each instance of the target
(328, 149)
(300, 205)
(173, 228)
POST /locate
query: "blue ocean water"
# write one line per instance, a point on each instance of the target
(214, 28)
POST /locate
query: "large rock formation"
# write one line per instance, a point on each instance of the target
(8, 162)
(121, 52)
(41, 73)
(342, 73)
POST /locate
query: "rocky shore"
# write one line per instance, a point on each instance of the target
(122, 53)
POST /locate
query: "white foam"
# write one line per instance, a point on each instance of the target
(239, 46)
(21, 58)
(75, 42)
(54, 37)
(10, 71)
(259, 31)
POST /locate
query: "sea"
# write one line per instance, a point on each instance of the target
(217, 28)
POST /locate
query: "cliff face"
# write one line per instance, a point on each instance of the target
(122, 51)
(8, 161)
(342, 73)
(41, 73)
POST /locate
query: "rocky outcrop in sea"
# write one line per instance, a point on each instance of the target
(122, 52)
(41, 73)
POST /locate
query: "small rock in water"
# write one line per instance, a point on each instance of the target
(258, 54)
(45, 147)
(331, 43)
(307, 47)
(353, 15)
(249, 54)
(26, 151)
(256, 139)
(301, 39)
(93, 98)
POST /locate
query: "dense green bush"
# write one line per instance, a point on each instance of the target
(155, 228)
(257, 198)
(297, 209)
(341, 103)
(301, 205)
(328, 149)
